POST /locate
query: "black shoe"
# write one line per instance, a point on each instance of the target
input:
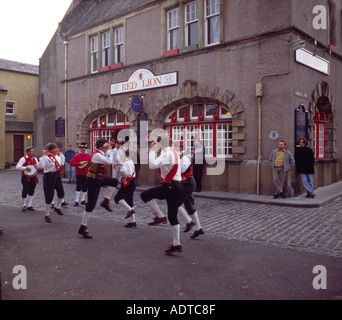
(83, 202)
(282, 195)
(130, 225)
(197, 233)
(276, 196)
(172, 249)
(312, 195)
(64, 204)
(157, 221)
(105, 204)
(59, 211)
(129, 214)
(48, 219)
(76, 204)
(30, 209)
(83, 230)
(24, 208)
(189, 226)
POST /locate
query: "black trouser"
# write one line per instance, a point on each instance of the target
(52, 181)
(198, 170)
(189, 203)
(171, 192)
(81, 183)
(126, 193)
(28, 186)
(94, 187)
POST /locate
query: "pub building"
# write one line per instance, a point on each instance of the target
(239, 75)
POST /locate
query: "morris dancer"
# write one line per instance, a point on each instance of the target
(189, 183)
(171, 189)
(81, 161)
(124, 196)
(51, 162)
(95, 179)
(29, 182)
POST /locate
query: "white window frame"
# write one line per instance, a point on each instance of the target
(321, 140)
(106, 49)
(224, 142)
(207, 137)
(205, 111)
(211, 12)
(119, 44)
(191, 17)
(13, 106)
(172, 26)
(94, 54)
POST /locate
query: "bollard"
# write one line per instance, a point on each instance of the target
(0, 287)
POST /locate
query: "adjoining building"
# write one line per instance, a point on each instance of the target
(19, 87)
(238, 75)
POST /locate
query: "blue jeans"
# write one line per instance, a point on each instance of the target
(308, 182)
(70, 171)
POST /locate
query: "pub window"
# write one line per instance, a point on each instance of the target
(214, 129)
(119, 45)
(319, 131)
(212, 22)
(105, 49)
(173, 29)
(10, 108)
(191, 24)
(94, 54)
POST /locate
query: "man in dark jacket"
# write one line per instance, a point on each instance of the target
(305, 161)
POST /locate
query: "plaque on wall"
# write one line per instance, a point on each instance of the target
(301, 124)
(60, 127)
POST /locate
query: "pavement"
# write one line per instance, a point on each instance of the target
(250, 250)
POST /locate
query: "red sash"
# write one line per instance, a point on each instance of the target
(126, 180)
(28, 162)
(186, 175)
(54, 160)
(169, 177)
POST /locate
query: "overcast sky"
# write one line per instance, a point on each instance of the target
(27, 26)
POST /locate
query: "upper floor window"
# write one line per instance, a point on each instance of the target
(173, 29)
(119, 45)
(10, 108)
(212, 22)
(105, 49)
(94, 54)
(191, 24)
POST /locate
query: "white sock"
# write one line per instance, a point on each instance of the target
(77, 196)
(184, 214)
(85, 218)
(176, 234)
(83, 196)
(196, 220)
(29, 201)
(24, 202)
(132, 218)
(154, 206)
(47, 209)
(124, 204)
(109, 192)
(59, 202)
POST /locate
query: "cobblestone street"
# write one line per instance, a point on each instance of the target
(316, 230)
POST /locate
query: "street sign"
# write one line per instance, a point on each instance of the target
(137, 104)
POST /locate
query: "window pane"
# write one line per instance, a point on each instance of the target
(183, 111)
(111, 118)
(207, 138)
(197, 109)
(120, 118)
(174, 39)
(193, 33)
(210, 109)
(214, 30)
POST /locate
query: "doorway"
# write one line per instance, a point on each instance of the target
(18, 147)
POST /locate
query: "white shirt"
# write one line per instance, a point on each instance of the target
(185, 163)
(103, 158)
(128, 168)
(48, 165)
(22, 162)
(165, 163)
